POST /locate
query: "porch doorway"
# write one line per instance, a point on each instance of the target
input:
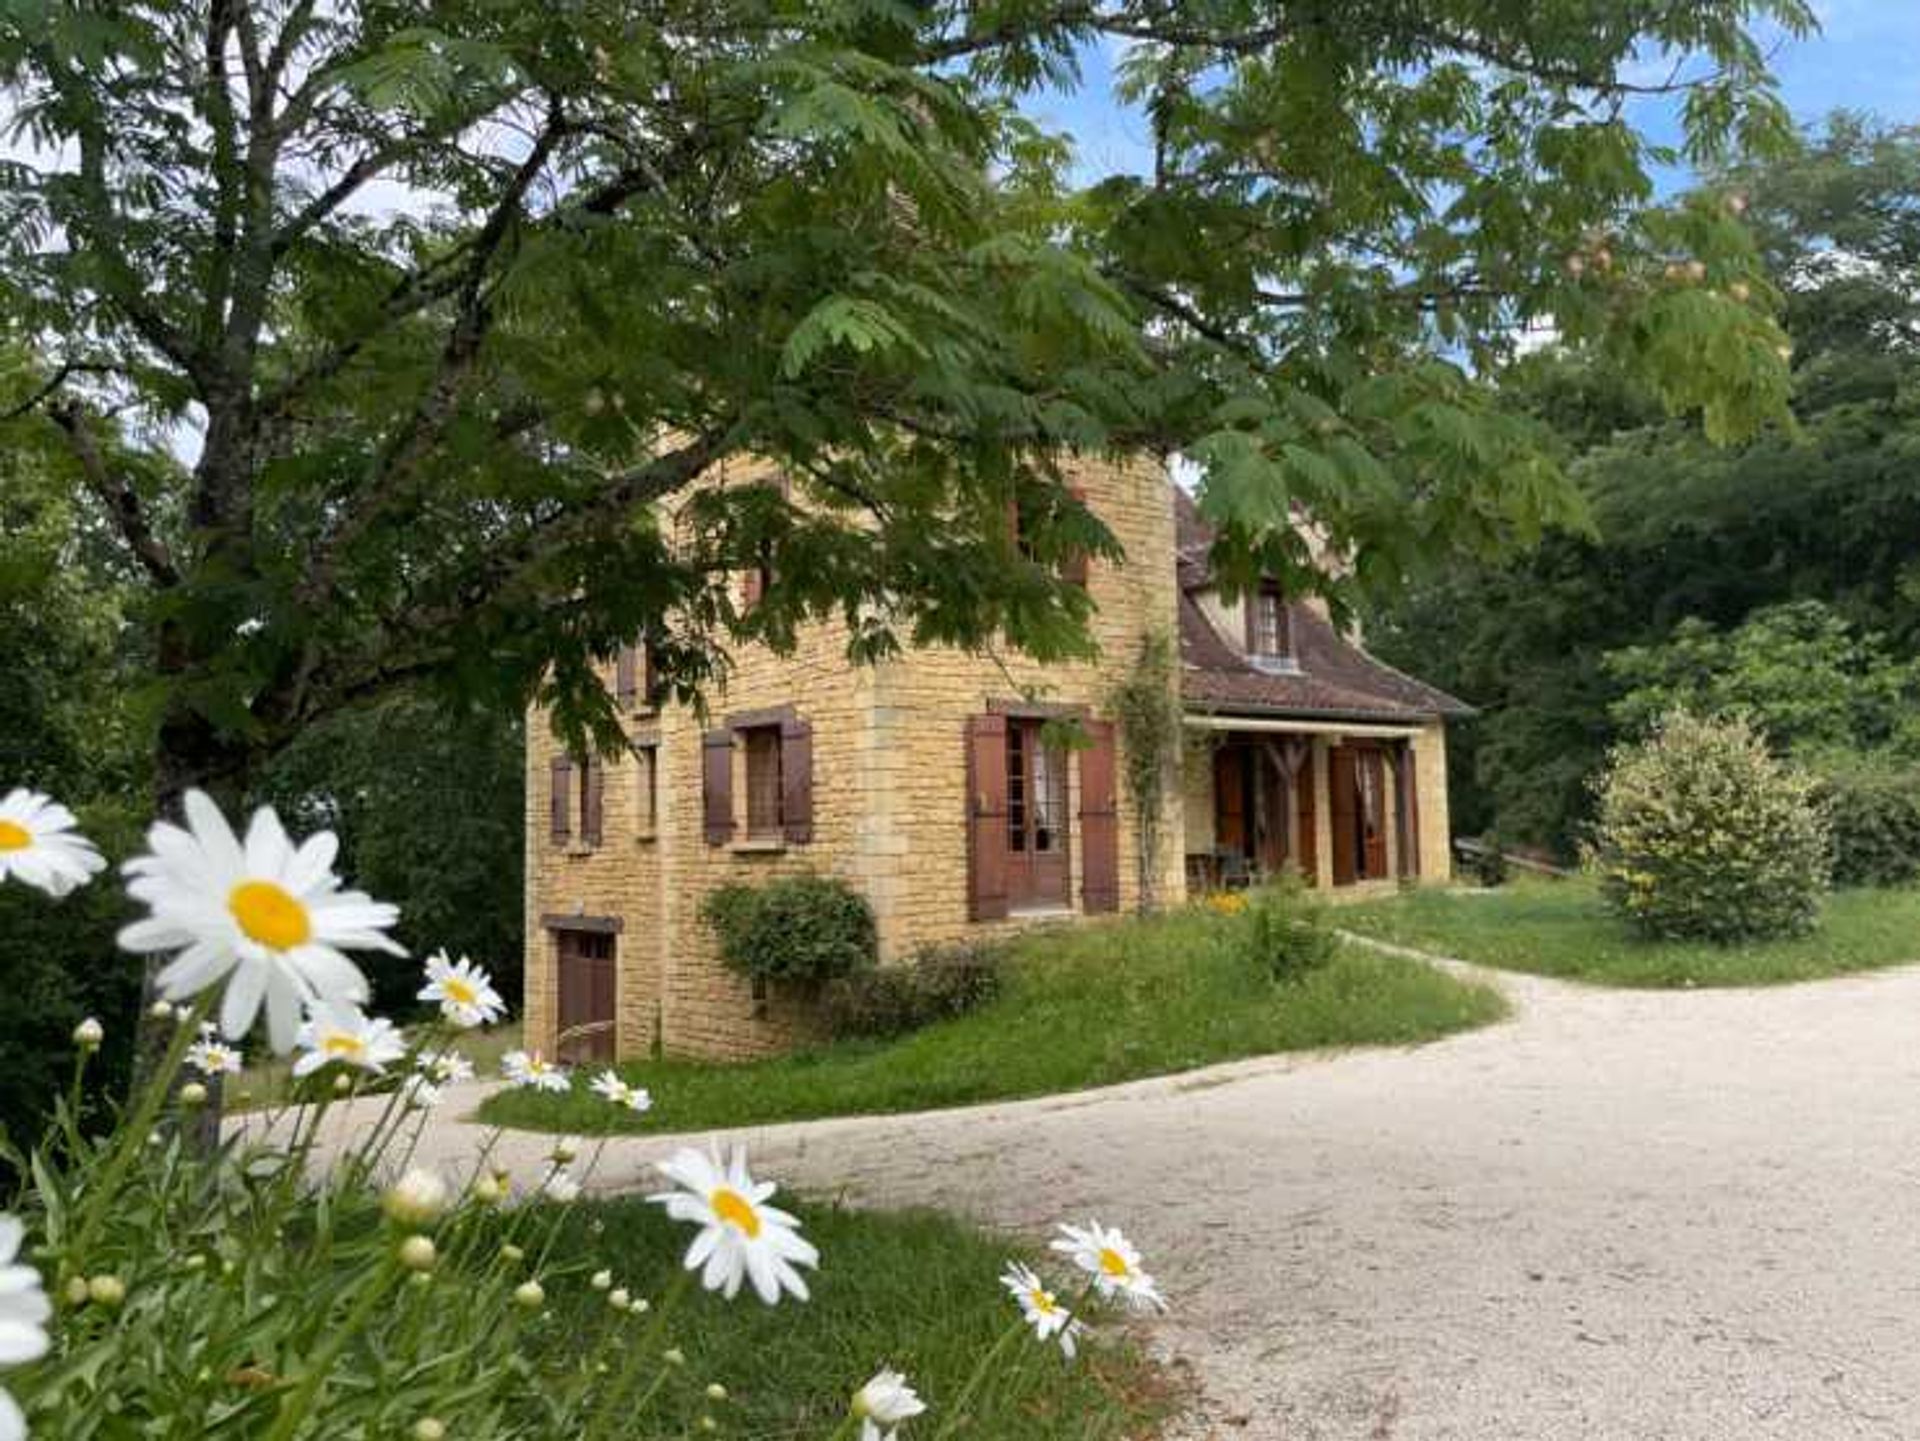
(1356, 776)
(1261, 810)
(587, 966)
(1036, 819)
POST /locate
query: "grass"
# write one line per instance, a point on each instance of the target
(914, 1290)
(267, 1082)
(1560, 928)
(1080, 1006)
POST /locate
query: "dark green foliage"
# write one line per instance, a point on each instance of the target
(1680, 530)
(1490, 866)
(795, 928)
(1288, 934)
(1873, 805)
(938, 983)
(429, 804)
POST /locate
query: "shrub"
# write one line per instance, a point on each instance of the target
(796, 928)
(938, 983)
(1490, 866)
(1701, 833)
(1287, 932)
(1873, 803)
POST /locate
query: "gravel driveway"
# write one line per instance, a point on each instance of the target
(1620, 1215)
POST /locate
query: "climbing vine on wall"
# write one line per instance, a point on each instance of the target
(1146, 706)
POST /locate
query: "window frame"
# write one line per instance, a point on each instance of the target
(768, 740)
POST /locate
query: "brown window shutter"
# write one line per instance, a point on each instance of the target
(1343, 787)
(1073, 566)
(593, 786)
(649, 679)
(986, 817)
(1099, 822)
(625, 672)
(560, 800)
(716, 776)
(1406, 810)
(796, 781)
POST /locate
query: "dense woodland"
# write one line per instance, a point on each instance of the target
(1779, 577)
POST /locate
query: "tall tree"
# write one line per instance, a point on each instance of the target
(452, 303)
(1683, 531)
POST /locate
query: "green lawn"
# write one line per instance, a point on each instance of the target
(1560, 928)
(913, 1290)
(1081, 1006)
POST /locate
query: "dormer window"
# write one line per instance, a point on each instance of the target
(1269, 627)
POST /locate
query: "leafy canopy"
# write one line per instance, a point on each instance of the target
(459, 310)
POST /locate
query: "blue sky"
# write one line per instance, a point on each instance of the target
(1866, 56)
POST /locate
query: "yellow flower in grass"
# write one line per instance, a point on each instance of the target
(741, 1237)
(1227, 903)
(1050, 1320)
(40, 847)
(266, 916)
(1107, 1256)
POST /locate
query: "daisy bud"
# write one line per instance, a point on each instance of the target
(707, 1423)
(716, 1392)
(641, 1306)
(619, 1298)
(417, 1199)
(77, 1291)
(1696, 270)
(417, 1253)
(106, 1290)
(342, 1084)
(1739, 290)
(511, 1252)
(601, 1280)
(196, 1262)
(530, 1295)
(489, 1191)
(193, 1094)
(161, 1011)
(674, 1356)
(565, 1150)
(89, 1034)
(429, 1428)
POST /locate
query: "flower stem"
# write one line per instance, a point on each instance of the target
(980, 1371)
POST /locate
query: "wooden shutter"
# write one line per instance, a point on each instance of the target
(1073, 566)
(716, 776)
(625, 675)
(560, 800)
(986, 817)
(1229, 800)
(1376, 838)
(593, 787)
(1406, 810)
(1099, 822)
(796, 781)
(1343, 787)
(1309, 819)
(649, 678)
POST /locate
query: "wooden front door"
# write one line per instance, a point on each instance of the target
(1356, 776)
(587, 968)
(1036, 818)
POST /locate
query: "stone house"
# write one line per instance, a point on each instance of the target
(928, 782)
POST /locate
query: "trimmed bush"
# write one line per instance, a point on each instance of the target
(935, 985)
(1701, 833)
(1873, 804)
(796, 928)
(1287, 932)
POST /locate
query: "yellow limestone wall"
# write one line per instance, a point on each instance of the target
(889, 801)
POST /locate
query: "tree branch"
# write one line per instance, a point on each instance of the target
(117, 494)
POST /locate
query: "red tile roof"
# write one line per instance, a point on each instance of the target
(1336, 678)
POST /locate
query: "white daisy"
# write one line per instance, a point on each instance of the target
(419, 1093)
(348, 1035)
(560, 1185)
(528, 1068)
(1107, 1256)
(741, 1237)
(446, 1067)
(463, 990)
(211, 1056)
(267, 914)
(883, 1403)
(40, 847)
(634, 1098)
(24, 1310)
(1041, 1307)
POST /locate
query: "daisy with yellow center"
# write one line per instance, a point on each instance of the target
(463, 991)
(635, 1098)
(267, 917)
(741, 1237)
(1044, 1313)
(530, 1069)
(40, 847)
(1109, 1257)
(211, 1056)
(344, 1034)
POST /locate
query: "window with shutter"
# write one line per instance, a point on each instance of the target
(592, 800)
(796, 781)
(560, 800)
(766, 797)
(986, 753)
(1099, 821)
(1269, 628)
